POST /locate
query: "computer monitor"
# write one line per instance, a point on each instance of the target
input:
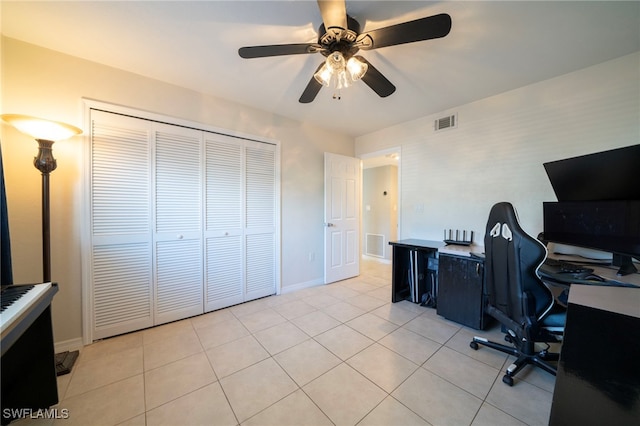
(606, 175)
(611, 226)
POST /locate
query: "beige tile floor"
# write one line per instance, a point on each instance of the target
(339, 354)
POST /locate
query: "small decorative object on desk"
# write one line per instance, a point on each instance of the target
(455, 238)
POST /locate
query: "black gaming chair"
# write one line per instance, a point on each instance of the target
(516, 295)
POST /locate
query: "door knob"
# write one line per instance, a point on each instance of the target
(329, 225)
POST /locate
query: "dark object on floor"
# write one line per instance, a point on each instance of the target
(516, 295)
(65, 361)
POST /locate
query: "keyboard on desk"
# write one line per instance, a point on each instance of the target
(554, 268)
(566, 273)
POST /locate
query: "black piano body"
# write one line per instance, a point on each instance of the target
(28, 357)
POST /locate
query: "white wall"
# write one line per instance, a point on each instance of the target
(51, 85)
(497, 151)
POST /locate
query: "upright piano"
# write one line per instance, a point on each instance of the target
(28, 355)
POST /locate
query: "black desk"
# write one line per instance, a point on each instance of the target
(415, 269)
(598, 379)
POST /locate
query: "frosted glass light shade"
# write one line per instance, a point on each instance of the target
(356, 68)
(39, 128)
(323, 76)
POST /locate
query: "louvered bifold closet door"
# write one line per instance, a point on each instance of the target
(120, 267)
(260, 222)
(224, 253)
(178, 223)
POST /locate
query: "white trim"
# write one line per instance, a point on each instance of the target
(380, 153)
(85, 229)
(68, 345)
(376, 259)
(303, 285)
(163, 118)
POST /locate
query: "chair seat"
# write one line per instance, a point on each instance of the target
(556, 318)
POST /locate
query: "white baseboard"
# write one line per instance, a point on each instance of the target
(300, 286)
(68, 345)
(377, 259)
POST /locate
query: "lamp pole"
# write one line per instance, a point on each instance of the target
(45, 162)
(45, 132)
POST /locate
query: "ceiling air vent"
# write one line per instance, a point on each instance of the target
(445, 122)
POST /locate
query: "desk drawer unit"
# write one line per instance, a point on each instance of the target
(461, 290)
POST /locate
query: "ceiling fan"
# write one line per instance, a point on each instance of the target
(339, 39)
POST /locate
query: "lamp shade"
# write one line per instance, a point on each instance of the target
(40, 128)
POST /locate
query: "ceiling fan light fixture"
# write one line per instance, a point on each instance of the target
(356, 68)
(340, 72)
(335, 61)
(323, 76)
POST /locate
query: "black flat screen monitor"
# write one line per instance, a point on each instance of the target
(607, 175)
(611, 226)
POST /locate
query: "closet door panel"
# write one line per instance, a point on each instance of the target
(224, 253)
(260, 266)
(120, 227)
(224, 277)
(260, 187)
(178, 223)
(260, 241)
(120, 173)
(122, 286)
(178, 187)
(224, 192)
(179, 280)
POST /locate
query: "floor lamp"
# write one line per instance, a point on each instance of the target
(46, 133)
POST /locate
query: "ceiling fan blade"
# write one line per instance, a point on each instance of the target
(435, 26)
(278, 50)
(312, 89)
(334, 13)
(378, 82)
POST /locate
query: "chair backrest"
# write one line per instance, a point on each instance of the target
(512, 259)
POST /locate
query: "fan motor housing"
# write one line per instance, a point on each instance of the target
(340, 39)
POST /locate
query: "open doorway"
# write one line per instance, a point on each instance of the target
(380, 201)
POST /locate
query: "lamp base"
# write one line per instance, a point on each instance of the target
(65, 361)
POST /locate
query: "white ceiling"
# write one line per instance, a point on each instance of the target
(493, 47)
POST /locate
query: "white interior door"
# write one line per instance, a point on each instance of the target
(341, 217)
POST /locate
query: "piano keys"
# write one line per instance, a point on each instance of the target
(18, 302)
(28, 357)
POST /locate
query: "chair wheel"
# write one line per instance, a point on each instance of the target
(508, 338)
(474, 346)
(508, 380)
